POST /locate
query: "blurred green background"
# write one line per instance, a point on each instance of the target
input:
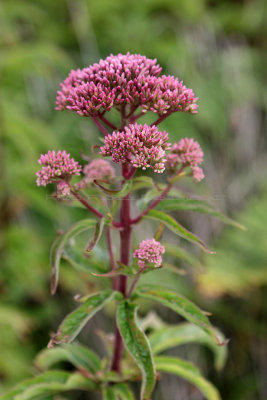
(218, 48)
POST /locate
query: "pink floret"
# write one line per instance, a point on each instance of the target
(99, 169)
(56, 166)
(124, 79)
(170, 96)
(197, 173)
(120, 79)
(186, 153)
(149, 252)
(142, 146)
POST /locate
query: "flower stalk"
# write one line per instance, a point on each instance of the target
(132, 85)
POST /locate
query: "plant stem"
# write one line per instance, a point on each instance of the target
(160, 119)
(83, 201)
(134, 283)
(125, 247)
(111, 256)
(159, 198)
(100, 126)
(108, 123)
(153, 204)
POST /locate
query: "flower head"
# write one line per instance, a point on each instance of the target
(149, 252)
(56, 166)
(63, 189)
(124, 79)
(197, 173)
(99, 169)
(142, 146)
(186, 153)
(170, 95)
(120, 79)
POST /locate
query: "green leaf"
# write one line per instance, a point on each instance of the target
(108, 394)
(189, 372)
(115, 193)
(182, 254)
(197, 206)
(79, 356)
(123, 392)
(154, 193)
(49, 383)
(137, 345)
(142, 182)
(176, 335)
(122, 269)
(175, 227)
(159, 232)
(74, 322)
(84, 262)
(97, 234)
(179, 304)
(120, 391)
(56, 255)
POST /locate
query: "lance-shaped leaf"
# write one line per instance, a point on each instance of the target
(97, 235)
(123, 392)
(137, 345)
(199, 206)
(49, 383)
(121, 270)
(152, 194)
(115, 193)
(119, 391)
(159, 232)
(84, 262)
(189, 372)
(182, 254)
(176, 335)
(79, 356)
(76, 229)
(108, 394)
(74, 322)
(175, 227)
(142, 182)
(179, 304)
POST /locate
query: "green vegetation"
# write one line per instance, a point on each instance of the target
(219, 47)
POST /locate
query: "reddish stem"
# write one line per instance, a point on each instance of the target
(159, 198)
(160, 119)
(132, 110)
(111, 256)
(108, 123)
(100, 126)
(131, 173)
(133, 118)
(125, 247)
(153, 204)
(83, 201)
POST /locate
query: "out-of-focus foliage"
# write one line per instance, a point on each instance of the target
(241, 260)
(219, 48)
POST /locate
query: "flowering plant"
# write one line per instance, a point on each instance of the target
(132, 85)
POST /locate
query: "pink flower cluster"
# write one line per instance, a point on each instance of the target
(142, 146)
(99, 169)
(149, 252)
(186, 153)
(56, 166)
(170, 95)
(120, 80)
(63, 189)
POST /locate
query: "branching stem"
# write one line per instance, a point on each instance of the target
(100, 126)
(108, 123)
(83, 201)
